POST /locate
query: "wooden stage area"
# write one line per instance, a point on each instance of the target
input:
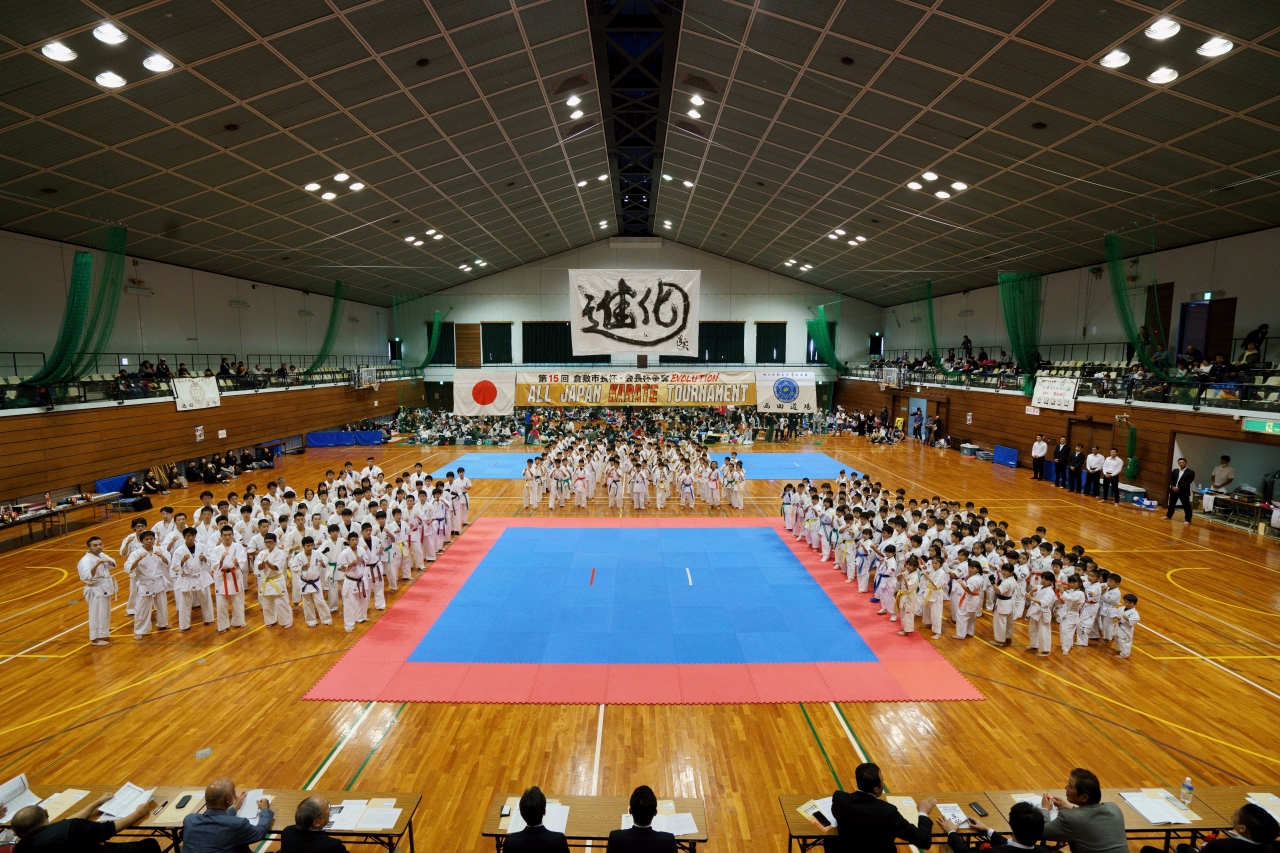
(1198, 697)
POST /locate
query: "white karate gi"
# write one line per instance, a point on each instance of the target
(1127, 618)
(1069, 618)
(313, 569)
(355, 589)
(271, 567)
(192, 583)
(1002, 621)
(99, 587)
(148, 570)
(969, 605)
(229, 564)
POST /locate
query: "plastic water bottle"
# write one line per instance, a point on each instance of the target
(1187, 790)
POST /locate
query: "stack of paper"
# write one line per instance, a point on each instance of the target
(17, 794)
(676, 824)
(1035, 800)
(907, 808)
(953, 813)
(378, 818)
(249, 811)
(555, 819)
(126, 800)
(1270, 802)
(345, 815)
(56, 804)
(1155, 812)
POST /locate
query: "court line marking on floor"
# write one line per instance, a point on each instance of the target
(310, 784)
(1169, 575)
(1234, 626)
(825, 757)
(41, 589)
(844, 724)
(377, 741)
(1213, 663)
(595, 767)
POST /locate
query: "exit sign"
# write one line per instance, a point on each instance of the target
(1260, 425)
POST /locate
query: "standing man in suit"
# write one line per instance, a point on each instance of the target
(1075, 468)
(1039, 449)
(641, 837)
(1026, 821)
(1084, 821)
(1061, 453)
(307, 834)
(868, 824)
(1180, 482)
(536, 838)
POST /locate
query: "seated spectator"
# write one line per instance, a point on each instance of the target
(224, 369)
(208, 372)
(283, 372)
(182, 369)
(217, 829)
(869, 824)
(641, 837)
(1249, 357)
(130, 489)
(146, 371)
(125, 386)
(175, 479)
(246, 460)
(1025, 820)
(1084, 821)
(535, 838)
(307, 834)
(78, 832)
(151, 485)
(162, 369)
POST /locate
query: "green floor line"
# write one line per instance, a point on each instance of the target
(341, 739)
(825, 757)
(377, 742)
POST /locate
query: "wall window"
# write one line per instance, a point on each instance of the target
(495, 343)
(551, 343)
(444, 352)
(771, 343)
(718, 343)
(811, 349)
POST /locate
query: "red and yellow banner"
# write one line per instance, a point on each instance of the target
(639, 388)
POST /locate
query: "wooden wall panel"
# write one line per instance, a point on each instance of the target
(1002, 419)
(466, 342)
(46, 451)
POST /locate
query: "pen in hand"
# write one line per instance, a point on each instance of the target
(160, 809)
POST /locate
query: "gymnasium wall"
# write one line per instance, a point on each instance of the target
(47, 451)
(190, 312)
(1078, 307)
(1002, 419)
(730, 291)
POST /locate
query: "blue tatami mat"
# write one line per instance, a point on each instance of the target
(788, 467)
(641, 595)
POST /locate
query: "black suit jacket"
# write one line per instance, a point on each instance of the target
(641, 839)
(536, 839)
(1076, 460)
(868, 824)
(294, 840)
(1227, 844)
(1060, 454)
(958, 844)
(1181, 480)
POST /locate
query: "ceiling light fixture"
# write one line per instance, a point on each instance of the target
(807, 267)
(696, 100)
(357, 186)
(438, 237)
(1215, 46)
(666, 177)
(582, 183)
(602, 177)
(959, 186)
(666, 225)
(603, 224)
(312, 187)
(853, 242)
(1114, 59)
(576, 114)
(409, 239)
(1163, 28)
(688, 183)
(156, 62)
(1162, 75)
(840, 231)
(573, 101)
(417, 242)
(833, 237)
(861, 239)
(430, 231)
(929, 176)
(109, 33)
(462, 266)
(914, 185)
(58, 52)
(110, 79)
(482, 263)
(694, 114)
(328, 196)
(341, 176)
(942, 194)
(790, 262)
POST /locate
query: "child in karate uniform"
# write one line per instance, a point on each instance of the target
(311, 566)
(639, 488)
(1109, 609)
(1069, 614)
(970, 603)
(788, 507)
(530, 497)
(1002, 621)
(935, 593)
(1040, 615)
(886, 578)
(271, 567)
(661, 482)
(1126, 620)
(355, 595)
(1092, 588)
(907, 598)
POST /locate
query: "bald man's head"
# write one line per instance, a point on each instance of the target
(220, 794)
(27, 820)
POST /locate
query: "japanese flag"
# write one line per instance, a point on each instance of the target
(483, 392)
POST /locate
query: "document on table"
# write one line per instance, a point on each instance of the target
(1153, 811)
(58, 803)
(1035, 800)
(907, 808)
(17, 794)
(1162, 794)
(249, 811)
(556, 818)
(811, 808)
(676, 824)
(346, 814)
(375, 818)
(126, 800)
(1270, 802)
(953, 813)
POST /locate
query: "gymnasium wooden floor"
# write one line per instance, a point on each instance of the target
(1193, 699)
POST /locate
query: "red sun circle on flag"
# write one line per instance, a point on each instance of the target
(484, 392)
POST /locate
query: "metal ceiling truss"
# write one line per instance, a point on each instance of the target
(635, 43)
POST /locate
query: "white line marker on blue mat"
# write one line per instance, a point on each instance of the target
(689, 576)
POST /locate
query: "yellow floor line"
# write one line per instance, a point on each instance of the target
(1215, 599)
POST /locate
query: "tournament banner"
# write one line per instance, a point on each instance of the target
(483, 392)
(707, 388)
(648, 312)
(1055, 392)
(200, 392)
(786, 391)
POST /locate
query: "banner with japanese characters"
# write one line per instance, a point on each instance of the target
(639, 388)
(198, 392)
(649, 312)
(786, 391)
(1055, 392)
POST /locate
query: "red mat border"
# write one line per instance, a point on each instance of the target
(376, 668)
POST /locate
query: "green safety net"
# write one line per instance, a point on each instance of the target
(1020, 304)
(1131, 454)
(1143, 349)
(101, 325)
(933, 332)
(822, 339)
(72, 328)
(434, 341)
(335, 323)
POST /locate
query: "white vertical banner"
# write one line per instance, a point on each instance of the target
(200, 392)
(786, 391)
(648, 312)
(484, 392)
